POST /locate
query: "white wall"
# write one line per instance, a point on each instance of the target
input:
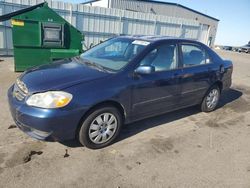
(170, 10)
(99, 24)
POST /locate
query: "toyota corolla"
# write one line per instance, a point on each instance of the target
(122, 80)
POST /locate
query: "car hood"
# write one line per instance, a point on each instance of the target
(60, 75)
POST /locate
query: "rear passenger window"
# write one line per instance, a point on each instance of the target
(193, 55)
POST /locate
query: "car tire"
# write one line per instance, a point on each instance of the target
(211, 99)
(100, 128)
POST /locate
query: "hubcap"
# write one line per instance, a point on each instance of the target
(212, 98)
(102, 128)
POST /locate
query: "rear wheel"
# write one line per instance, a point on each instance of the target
(100, 128)
(211, 99)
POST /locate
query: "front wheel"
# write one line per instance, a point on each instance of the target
(100, 128)
(211, 99)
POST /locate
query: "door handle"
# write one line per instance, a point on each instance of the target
(177, 75)
(187, 75)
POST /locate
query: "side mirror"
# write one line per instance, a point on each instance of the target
(145, 69)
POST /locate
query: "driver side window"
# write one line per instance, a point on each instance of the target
(163, 58)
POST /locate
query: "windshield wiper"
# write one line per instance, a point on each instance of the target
(95, 65)
(99, 67)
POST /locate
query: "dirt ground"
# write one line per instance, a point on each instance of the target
(185, 148)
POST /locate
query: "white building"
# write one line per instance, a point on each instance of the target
(208, 24)
(103, 19)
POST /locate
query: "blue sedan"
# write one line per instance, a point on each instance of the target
(121, 80)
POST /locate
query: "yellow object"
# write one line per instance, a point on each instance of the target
(17, 22)
(62, 102)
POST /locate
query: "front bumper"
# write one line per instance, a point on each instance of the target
(45, 124)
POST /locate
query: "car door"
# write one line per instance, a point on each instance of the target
(158, 91)
(196, 75)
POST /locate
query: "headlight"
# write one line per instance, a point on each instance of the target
(50, 99)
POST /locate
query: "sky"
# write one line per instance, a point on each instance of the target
(234, 16)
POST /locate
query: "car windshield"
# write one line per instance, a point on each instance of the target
(114, 54)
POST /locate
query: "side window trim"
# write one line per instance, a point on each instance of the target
(195, 45)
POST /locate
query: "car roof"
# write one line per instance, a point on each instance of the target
(154, 38)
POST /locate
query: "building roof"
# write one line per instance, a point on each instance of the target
(166, 3)
(179, 5)
(89, 1)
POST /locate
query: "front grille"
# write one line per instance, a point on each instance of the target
(20, 91)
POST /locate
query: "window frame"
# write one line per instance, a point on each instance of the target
(195, 45)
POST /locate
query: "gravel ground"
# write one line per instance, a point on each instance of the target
(185, 148)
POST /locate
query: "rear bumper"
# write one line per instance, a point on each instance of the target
(45, 124)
